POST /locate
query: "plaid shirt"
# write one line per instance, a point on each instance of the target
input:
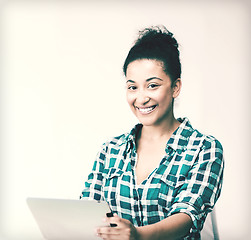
(188, 178)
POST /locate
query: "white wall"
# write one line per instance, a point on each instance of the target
(62, 95)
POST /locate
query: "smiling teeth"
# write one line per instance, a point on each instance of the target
(146, 110)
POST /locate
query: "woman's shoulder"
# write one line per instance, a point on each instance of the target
(196, 136)
(209, 141)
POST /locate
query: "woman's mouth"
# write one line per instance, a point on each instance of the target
(146, 110)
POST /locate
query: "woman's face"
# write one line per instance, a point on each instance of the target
(150, 92)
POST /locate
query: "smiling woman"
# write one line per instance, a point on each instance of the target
(150, 92)
(163, 177)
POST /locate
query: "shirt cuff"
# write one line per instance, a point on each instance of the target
(196, 217)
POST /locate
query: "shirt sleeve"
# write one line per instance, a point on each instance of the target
(201, 189)
(93, 186)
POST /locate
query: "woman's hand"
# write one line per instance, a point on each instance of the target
(123, 231)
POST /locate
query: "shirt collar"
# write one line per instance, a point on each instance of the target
(177, 142)
(179, 139)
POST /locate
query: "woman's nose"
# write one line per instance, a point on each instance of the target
(142, 98)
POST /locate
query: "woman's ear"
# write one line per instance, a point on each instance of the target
(176, 86)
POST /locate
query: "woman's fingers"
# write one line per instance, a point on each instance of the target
(120, 222)
(123, 230)
(109, 233)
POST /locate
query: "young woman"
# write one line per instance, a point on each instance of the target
(163, 177)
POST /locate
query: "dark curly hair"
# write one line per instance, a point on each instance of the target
(156, 43)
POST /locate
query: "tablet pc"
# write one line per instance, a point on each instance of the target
(68, 219)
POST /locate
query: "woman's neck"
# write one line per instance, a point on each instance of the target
(156, 132)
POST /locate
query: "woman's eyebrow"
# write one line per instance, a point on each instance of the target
(147, 80)
(130, 81)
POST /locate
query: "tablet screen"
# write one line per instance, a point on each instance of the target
(68, 219)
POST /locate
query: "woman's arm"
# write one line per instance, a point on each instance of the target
(93, 186)
(173, 227)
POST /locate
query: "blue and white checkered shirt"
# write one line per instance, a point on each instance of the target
(188, 178)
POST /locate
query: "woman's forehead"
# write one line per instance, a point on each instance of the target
(145, 68)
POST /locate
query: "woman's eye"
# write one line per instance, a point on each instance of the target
(131, 87)
(152, 85)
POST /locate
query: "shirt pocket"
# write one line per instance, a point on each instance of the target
(169, 188)
(111, 178)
